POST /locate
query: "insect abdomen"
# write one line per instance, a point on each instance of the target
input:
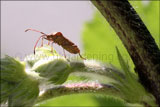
(66, 44)
(72, 49)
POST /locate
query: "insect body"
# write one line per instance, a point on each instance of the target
(59, 39)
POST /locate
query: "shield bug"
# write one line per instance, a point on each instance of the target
(59, 39)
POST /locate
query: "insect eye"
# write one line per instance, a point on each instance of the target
(59, 33)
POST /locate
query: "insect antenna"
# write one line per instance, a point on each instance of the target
(35, 31)
(64, 53)
(38, 41)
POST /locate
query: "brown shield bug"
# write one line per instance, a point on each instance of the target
(59, 39)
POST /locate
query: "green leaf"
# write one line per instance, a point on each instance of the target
(17, 87)
(6, 90)
(132, 90)
(84, 100)
(12, 70)
(25, 93)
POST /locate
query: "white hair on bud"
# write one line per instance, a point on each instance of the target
(92, 63)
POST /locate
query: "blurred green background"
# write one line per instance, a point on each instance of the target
(99, 42)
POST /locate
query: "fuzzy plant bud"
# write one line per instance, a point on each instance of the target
(56, 70)
(12, 73)
(41, 53)
(18, 88)
(12, 70)
(25, 94)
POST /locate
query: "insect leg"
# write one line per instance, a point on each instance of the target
(35, 31)
(42, 42)
(51, 46)
(64, 53)
(37, 42)
(48, 42)
(81, 56)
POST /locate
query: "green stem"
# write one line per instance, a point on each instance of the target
(96, 68)
(76, 88)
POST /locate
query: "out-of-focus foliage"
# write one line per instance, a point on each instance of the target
(100, 40)
(149, 11)
(82, 100)
(72, 100)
